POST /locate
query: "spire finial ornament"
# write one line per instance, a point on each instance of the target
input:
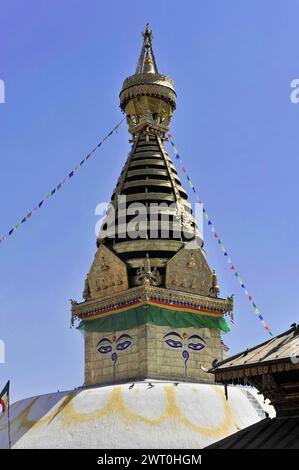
(147, 97)
(148, 32)
(147, 56)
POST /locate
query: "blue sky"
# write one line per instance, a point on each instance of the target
(63, 63)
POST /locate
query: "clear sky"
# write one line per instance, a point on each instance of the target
(63, 63)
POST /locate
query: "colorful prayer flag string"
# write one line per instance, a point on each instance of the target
(58, 186)
(216, 236)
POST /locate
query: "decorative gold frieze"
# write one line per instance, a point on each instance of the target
(147, 292)
(152, 78)
(147, 84)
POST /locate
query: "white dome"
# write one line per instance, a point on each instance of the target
(116, 417)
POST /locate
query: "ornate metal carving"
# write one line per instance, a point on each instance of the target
(147, 82)
(146, 78)
(189, 271)
(108, 274)
(147, 49)
(214, 291)
(144, 293)
(147, 276)
(86, 292)
(149, 89)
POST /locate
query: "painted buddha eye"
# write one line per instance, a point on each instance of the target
(121, 346)
(103, 347)
(171, 342)
(198, 345)
(174, 343)
(124, 345)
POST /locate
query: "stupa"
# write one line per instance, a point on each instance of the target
(151, 307)
(151, 314)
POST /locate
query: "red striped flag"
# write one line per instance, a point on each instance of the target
(4, 398)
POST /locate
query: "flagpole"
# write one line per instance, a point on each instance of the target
(8, 416)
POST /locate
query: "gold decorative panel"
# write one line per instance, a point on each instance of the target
(107, 275)
(189, 271)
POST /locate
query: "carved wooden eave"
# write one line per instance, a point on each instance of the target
(91, 308)
(243, 373)
(277, 381)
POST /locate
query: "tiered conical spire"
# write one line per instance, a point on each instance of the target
(149, 177)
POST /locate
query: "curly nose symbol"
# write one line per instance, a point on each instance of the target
(114, 358)
(185, 356)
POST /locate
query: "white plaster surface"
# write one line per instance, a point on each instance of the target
(165, 416)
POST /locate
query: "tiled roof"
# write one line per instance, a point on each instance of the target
(276, 433)
(283, 347)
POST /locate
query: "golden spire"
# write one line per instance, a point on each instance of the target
(148, 98)
(147, 61)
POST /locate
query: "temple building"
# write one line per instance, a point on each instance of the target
(273, 369)
(151, 314)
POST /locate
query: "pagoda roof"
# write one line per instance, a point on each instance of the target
(272, 367)
(281, 348)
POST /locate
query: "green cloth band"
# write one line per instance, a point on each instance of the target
(151, 314)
